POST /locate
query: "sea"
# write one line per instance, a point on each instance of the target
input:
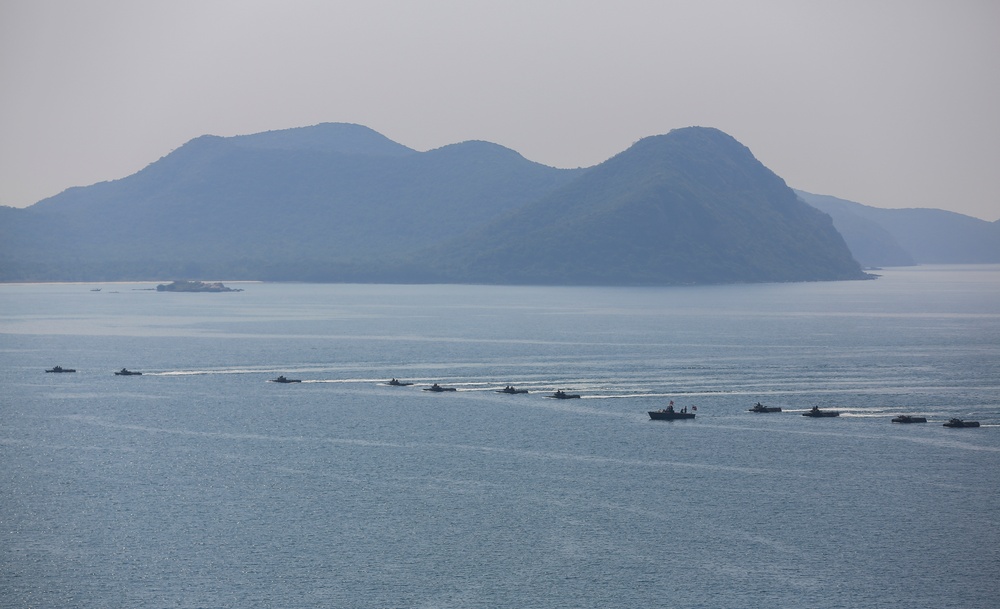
(201, 484)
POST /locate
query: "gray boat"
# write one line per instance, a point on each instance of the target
(816, 412)
(562, 395)
(961, 423)
(509, 389)
(439, 389)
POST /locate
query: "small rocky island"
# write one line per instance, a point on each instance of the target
(194, 286)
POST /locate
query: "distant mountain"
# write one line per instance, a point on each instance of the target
(339, 202)
(901, 237)
(692, 206)
(319, 203)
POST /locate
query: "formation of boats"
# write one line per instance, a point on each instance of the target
(816, 411)
(664, 414)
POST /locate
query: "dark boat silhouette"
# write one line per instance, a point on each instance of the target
(816, 412)
(961, 423)
(58, 369)
(671, 414)
(905, 418)
(397, 383)
(127, 372)
(282, 379)
(438, 388)
(758, 407)
(562, 395)
(511, 390)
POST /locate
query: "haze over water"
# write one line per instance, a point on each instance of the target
(200, 484)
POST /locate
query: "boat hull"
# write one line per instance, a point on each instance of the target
(663, 415)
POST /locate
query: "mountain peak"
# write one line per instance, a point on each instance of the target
(705, 144)
(479, 148)
(345, 138)
(691, 206)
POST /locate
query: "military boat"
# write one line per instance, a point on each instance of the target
(671, 414)
(816, 412)
(562, 395)
(511, 390)
(438, 388)
(961, 423)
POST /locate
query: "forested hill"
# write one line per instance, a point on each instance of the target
(339, 202)
(692, 206)
(303, 204)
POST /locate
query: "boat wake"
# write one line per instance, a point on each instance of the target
(209, 371)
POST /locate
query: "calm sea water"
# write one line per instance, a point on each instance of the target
(200, 484)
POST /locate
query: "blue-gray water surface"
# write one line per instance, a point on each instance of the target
(200, 484)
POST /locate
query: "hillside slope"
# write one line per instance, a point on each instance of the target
(692, 206)
(293, 205)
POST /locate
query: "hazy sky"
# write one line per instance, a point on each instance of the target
(888, 103)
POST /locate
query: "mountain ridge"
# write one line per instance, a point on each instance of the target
(340, 202)
(650, 218)
(904, 237)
